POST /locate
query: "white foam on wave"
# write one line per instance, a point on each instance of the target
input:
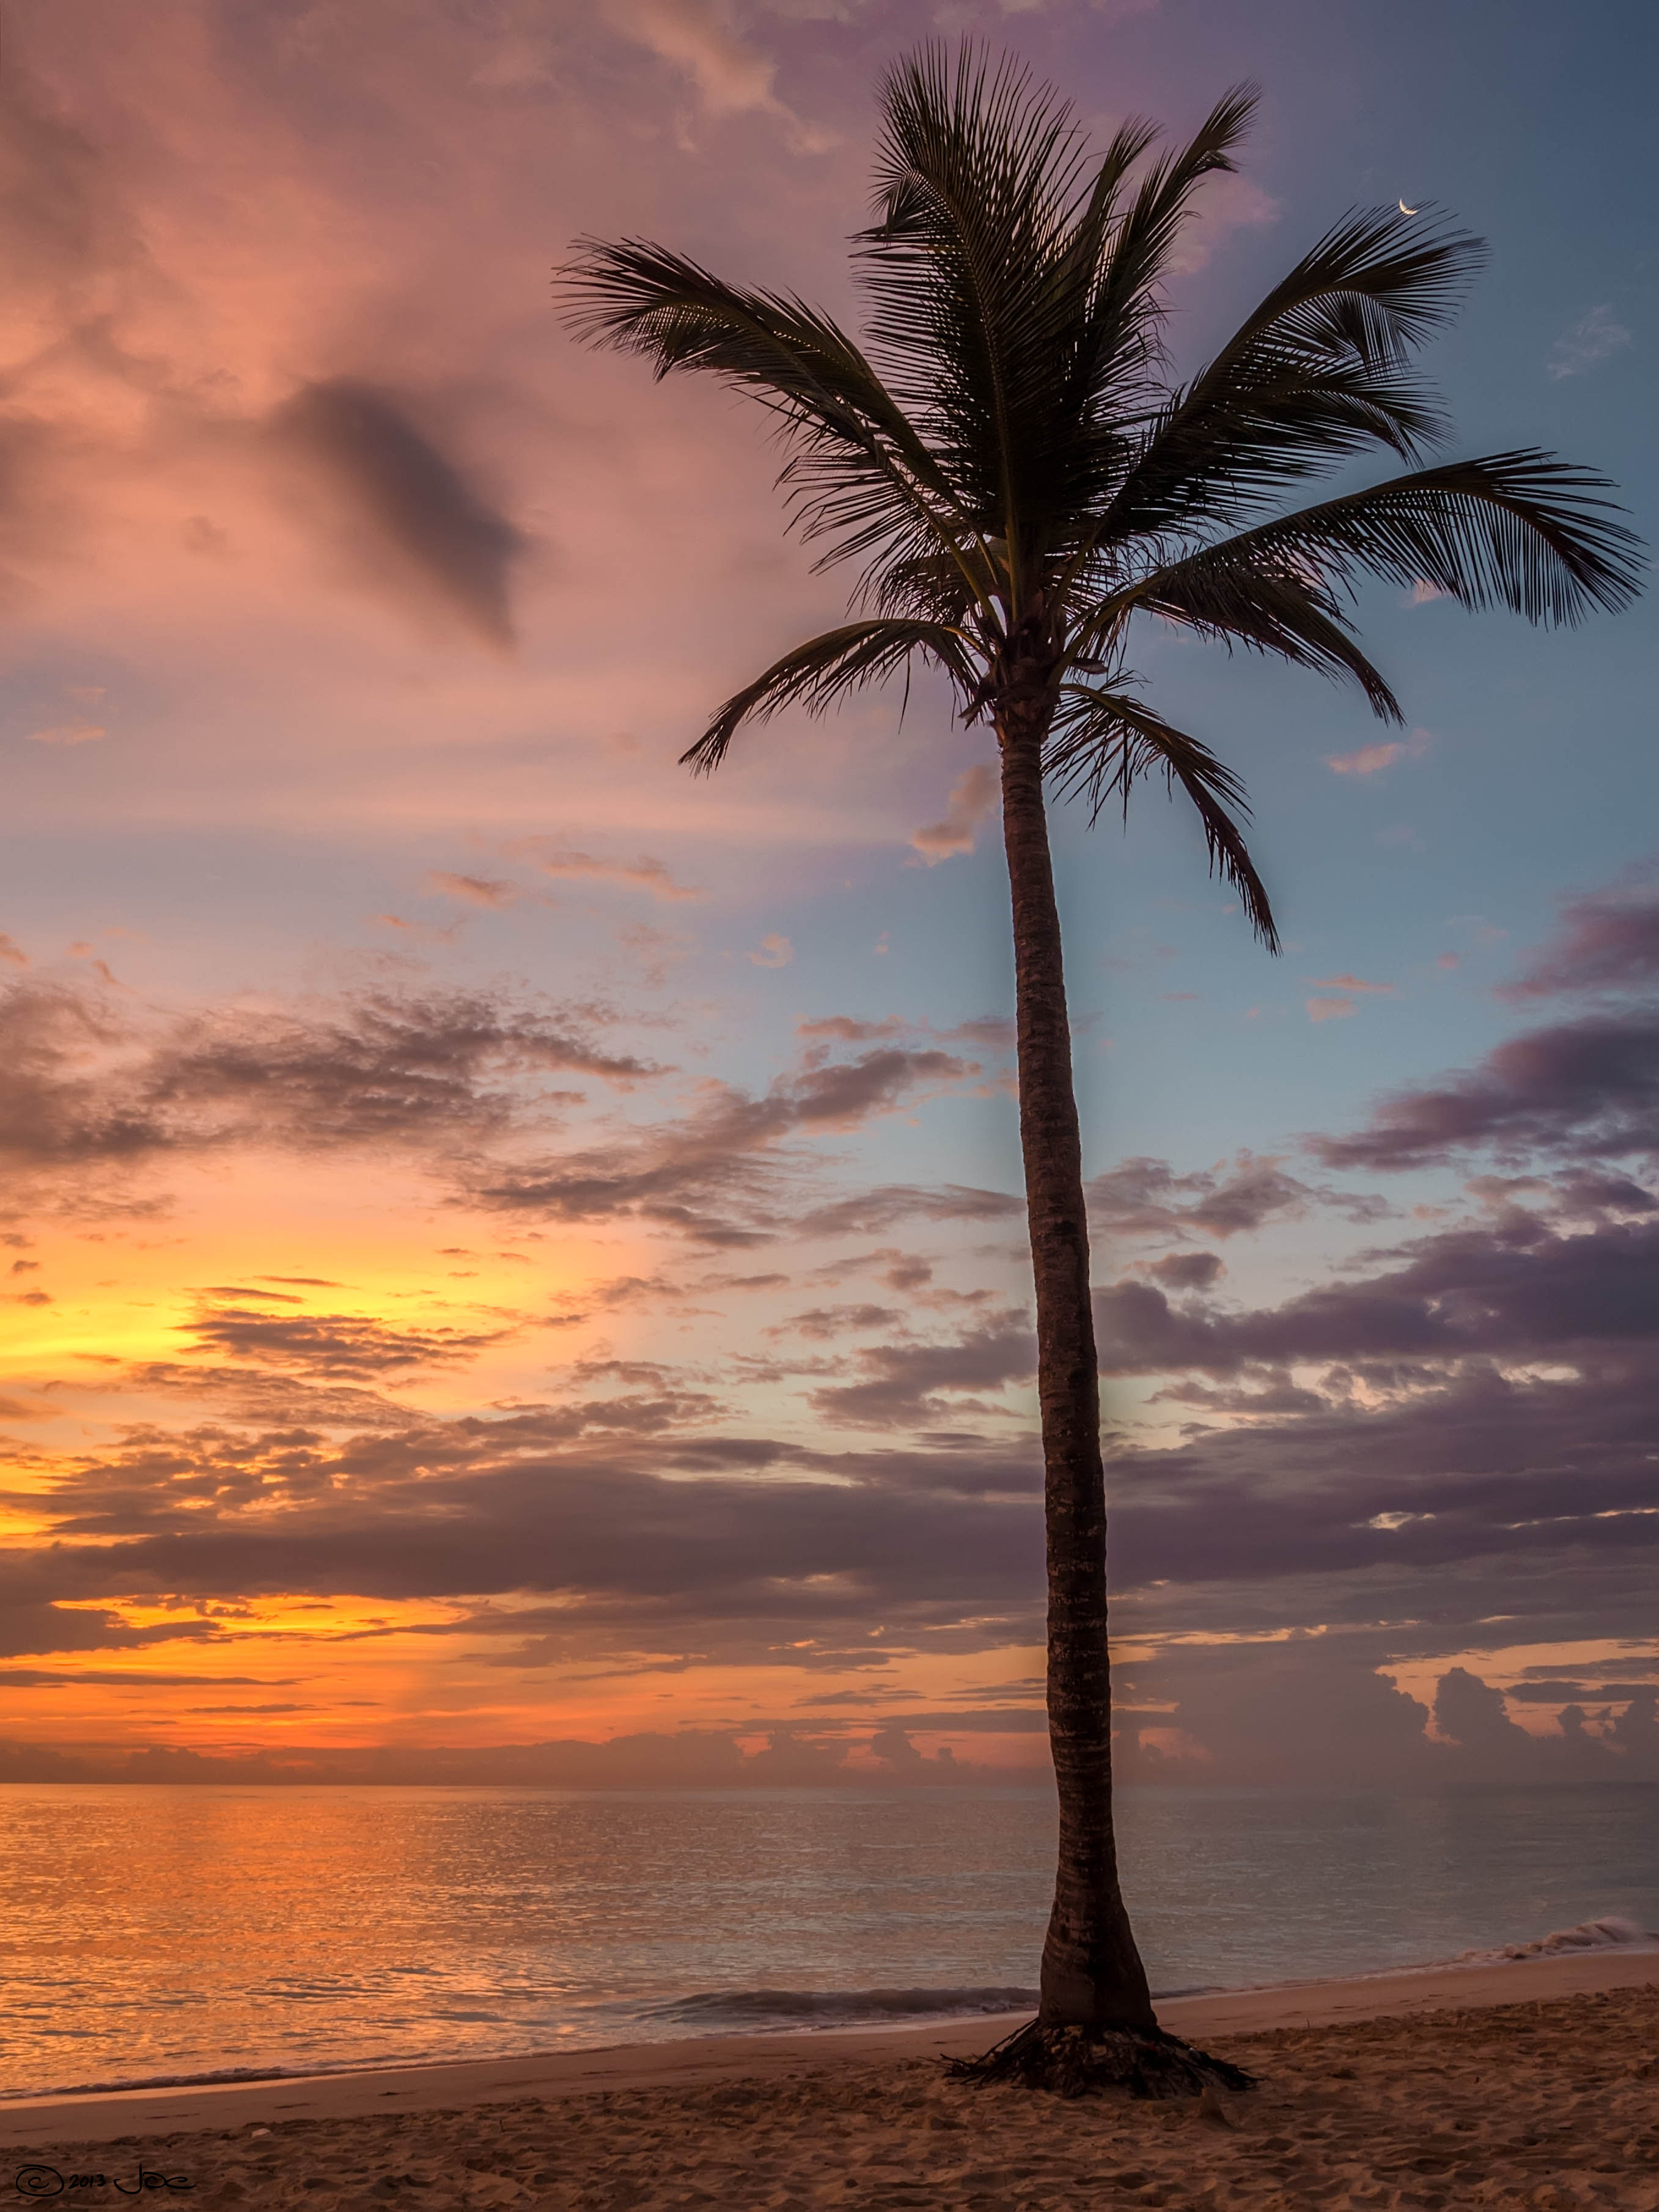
(1612, 1932)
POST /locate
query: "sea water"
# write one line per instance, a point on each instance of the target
(152, 1933)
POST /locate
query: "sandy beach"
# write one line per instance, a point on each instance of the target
(1531, 2084)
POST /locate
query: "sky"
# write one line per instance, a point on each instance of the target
(513, 1255)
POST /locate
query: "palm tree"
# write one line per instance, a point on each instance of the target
(1016, 477)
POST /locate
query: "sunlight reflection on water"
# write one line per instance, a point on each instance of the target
(157, 1930)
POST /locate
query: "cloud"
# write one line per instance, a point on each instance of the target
(1588, 1089)
(337, 1345)
(1371, 760)
(775, 952)
(68, 733)
(904, 1385)
(1484, 1494)
(409, 498)
(1607, 941)
(658, 951)
(134, 1678)
(1187, 1271)
(1356, 983)
(1330, 1010)
(82, 1085)
(555, 860)
(868, 1213)
(1585, 344)
(473, 891)
(1228, 202)
(699, 38)
(11, 953)
(1296, 1711)
(972, 798)
(1146, 1197)
(827, 1322)
(721, 1174)
(843, 1028)
(1516, 1290)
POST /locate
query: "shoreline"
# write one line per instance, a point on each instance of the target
(780, 2057)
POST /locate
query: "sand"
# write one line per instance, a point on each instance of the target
(1530, 2085)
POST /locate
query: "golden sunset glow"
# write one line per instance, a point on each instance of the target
(514, 1257)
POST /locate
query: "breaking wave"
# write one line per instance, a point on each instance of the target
(1615, 1932)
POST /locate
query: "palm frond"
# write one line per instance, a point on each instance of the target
(1522, 530)
(1122, 338)
(1265, 606)
(1317, 373)
(1103, 742)
(977, 174)
(860, 474)
(815, 675)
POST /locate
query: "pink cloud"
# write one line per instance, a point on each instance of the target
(1329, 1010)
(553, 860)
(475, 890)
(1356, 983)
(698, 38)
(1372, 760)
(68, 733)
(775, 951)
(1229, 202)
(972, 797)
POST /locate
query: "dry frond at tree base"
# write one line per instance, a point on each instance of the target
(1081, 2061)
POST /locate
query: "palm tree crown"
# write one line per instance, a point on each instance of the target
(1010, 465)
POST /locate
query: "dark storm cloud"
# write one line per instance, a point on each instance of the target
(82, 1085)
(1586, 1090)
(1608, 941)
(397, 485)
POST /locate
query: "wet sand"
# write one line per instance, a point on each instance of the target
(1529, 2085)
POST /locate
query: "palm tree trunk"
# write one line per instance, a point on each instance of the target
(1092, 1976)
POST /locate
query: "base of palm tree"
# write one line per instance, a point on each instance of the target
(1076, 2062)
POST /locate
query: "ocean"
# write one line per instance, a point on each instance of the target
(156, 1933)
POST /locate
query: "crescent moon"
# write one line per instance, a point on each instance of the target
(1404, 209)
